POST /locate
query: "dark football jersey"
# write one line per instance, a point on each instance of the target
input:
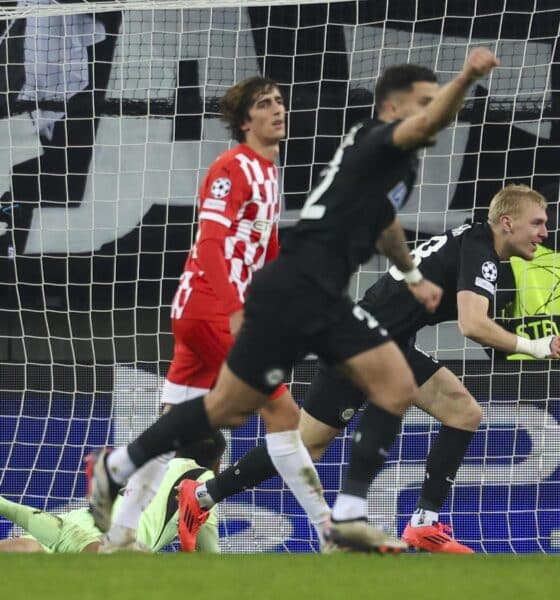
(505, 290)
(460, 259)
(356, 198)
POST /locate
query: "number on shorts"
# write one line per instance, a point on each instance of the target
(363, 315)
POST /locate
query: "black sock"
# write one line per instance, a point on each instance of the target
(250, 470)
(185, 422)
(444, 460)
(371, 443)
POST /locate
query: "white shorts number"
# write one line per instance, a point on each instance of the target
(363, 315)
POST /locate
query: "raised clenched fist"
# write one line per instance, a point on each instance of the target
(479, 63)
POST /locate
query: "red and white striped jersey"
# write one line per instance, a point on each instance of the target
(238, 232)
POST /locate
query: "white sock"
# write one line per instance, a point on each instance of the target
(422, 517)
(120, 466)
(292, 461)
(347, 507)
(140, 490)
(203, 498)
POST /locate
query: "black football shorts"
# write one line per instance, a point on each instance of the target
(288, 316)
(333, 399)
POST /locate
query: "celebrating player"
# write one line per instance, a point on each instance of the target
(465, 262)
(237, 235)
(298, 303)
(75, 531)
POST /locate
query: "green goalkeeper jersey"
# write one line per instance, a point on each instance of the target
(158, 524)
(535, 310)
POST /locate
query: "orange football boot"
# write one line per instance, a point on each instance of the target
(191, 516)
(434, 538)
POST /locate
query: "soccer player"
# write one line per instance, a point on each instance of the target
(238, 214)
(466, 263)
(298, 302)
(75, 531)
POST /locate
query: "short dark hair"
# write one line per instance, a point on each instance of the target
(399, 78)
(239, 99)
(205, 452)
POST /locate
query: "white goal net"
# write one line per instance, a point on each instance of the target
(108, 121)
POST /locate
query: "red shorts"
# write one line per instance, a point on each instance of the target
(199, 351)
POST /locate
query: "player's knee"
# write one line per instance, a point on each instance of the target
(394, 394)
(222, 413)
(291, 416)
(471, 416)
(462, 411)
(280, 414)
(316, 450)
(405, 394)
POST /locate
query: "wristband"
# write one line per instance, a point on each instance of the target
(539, 348)
(414, 276)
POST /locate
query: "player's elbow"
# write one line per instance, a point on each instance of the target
(469, 327)
(425, 127)
(416, 131)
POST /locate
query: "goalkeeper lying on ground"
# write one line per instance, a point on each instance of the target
(75, 531)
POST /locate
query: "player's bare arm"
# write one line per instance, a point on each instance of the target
(392, 243)
(474, 323)
(418, 129)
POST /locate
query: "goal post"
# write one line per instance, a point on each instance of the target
(108, 121)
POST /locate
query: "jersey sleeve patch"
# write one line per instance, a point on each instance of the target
(398, 195)
(490, 271)
(220, 187)
(213, 204)
(485, 285)
(217, 218)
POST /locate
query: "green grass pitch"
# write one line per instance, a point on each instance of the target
(287, 577)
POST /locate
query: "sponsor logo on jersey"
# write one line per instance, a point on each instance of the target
(490, 271)
(534, 327)
(220, 187)
(262, 225)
